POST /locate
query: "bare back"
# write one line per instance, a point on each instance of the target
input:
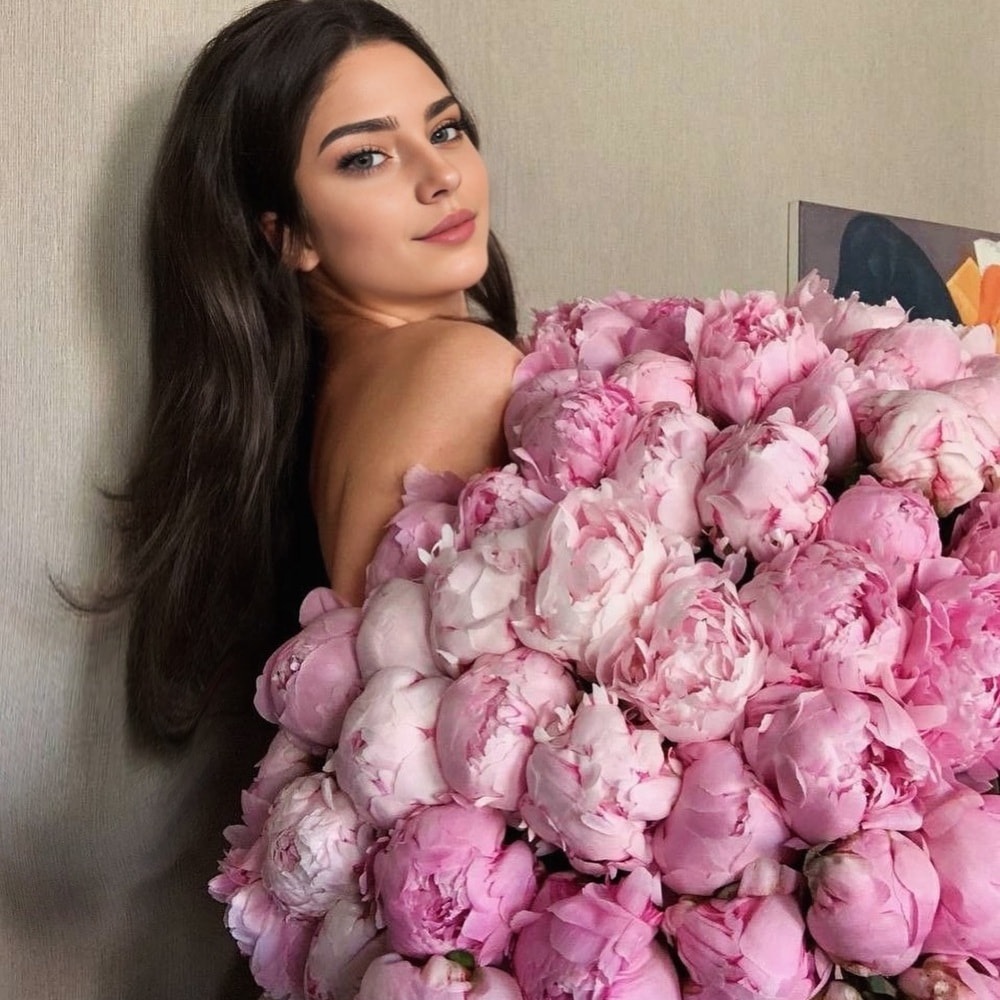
(430, 394)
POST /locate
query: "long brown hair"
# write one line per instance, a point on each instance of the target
(218, 543)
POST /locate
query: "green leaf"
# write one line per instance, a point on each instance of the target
(881, 987)
(870, 987)
(462, 958)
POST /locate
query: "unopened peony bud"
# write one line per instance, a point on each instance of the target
(386, 759)
(308, 683)
(874, 897)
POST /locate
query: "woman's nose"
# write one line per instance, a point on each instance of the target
(438, 176)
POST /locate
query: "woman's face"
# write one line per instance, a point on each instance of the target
(395, 195)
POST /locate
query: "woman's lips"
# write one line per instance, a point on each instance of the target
(455, 228)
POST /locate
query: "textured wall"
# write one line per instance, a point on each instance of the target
(651, 145)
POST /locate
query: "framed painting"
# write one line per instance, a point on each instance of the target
(935, 271)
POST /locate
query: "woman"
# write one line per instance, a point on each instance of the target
(319, 217)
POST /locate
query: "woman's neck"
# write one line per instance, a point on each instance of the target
(339, 317)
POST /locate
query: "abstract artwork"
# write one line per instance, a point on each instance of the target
(935, 271)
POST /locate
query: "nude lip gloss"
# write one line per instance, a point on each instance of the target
(456, 228)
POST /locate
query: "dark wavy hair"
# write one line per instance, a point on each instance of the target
(218, 543)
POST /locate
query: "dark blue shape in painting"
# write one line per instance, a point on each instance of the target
(878, 261)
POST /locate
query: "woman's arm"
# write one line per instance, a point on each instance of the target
(437, 400)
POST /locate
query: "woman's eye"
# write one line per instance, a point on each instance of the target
(448, 132)
(362, 161)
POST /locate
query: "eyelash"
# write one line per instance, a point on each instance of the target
(460, 125)
(349, 163)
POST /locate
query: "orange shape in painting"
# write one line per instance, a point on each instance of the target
(989, 297)
(964, 288)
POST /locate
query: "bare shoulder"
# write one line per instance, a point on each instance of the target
(449, 383)
(443, 370)
(455, 350)
(430, 394)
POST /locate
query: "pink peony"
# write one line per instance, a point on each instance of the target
(318, 602)
(897, 527)
(597, 942)
(315, 843)
(309, 681)
(565, 429)
(486, 725)
(392, 977)
(593, 332)
(838, 321)
(239, 868)
(820, 402)
(599, 557)
(930, 442)
(723, 820)
(663, 463)
(551, 353)
(653, 378)
(345, 944)
(949, 677)
(475, 593)
(693, 658)
(428, 506)
(962, 834)
(745, 946)
(662, 325)
(394, 630)
(980, 395)
(493, 984)
(836, 760)
(276, 943)
(600, 334)
(285, 759)
(386, 760)
(975, 536)
(925, 352)
(594, 783)
(985, 365)
(873, 901)
(558, 885)
(763, 491)
(829, 616)
(445, 880)
(495, 500)
(951, 977)
(746, 348)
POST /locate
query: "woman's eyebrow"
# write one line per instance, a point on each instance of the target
(382, 124)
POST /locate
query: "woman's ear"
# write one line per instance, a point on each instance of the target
(297, 254)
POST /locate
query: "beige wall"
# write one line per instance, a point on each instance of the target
(650, 145)
(656, 144)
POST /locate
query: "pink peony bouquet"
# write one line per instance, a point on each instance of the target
(698, 696)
